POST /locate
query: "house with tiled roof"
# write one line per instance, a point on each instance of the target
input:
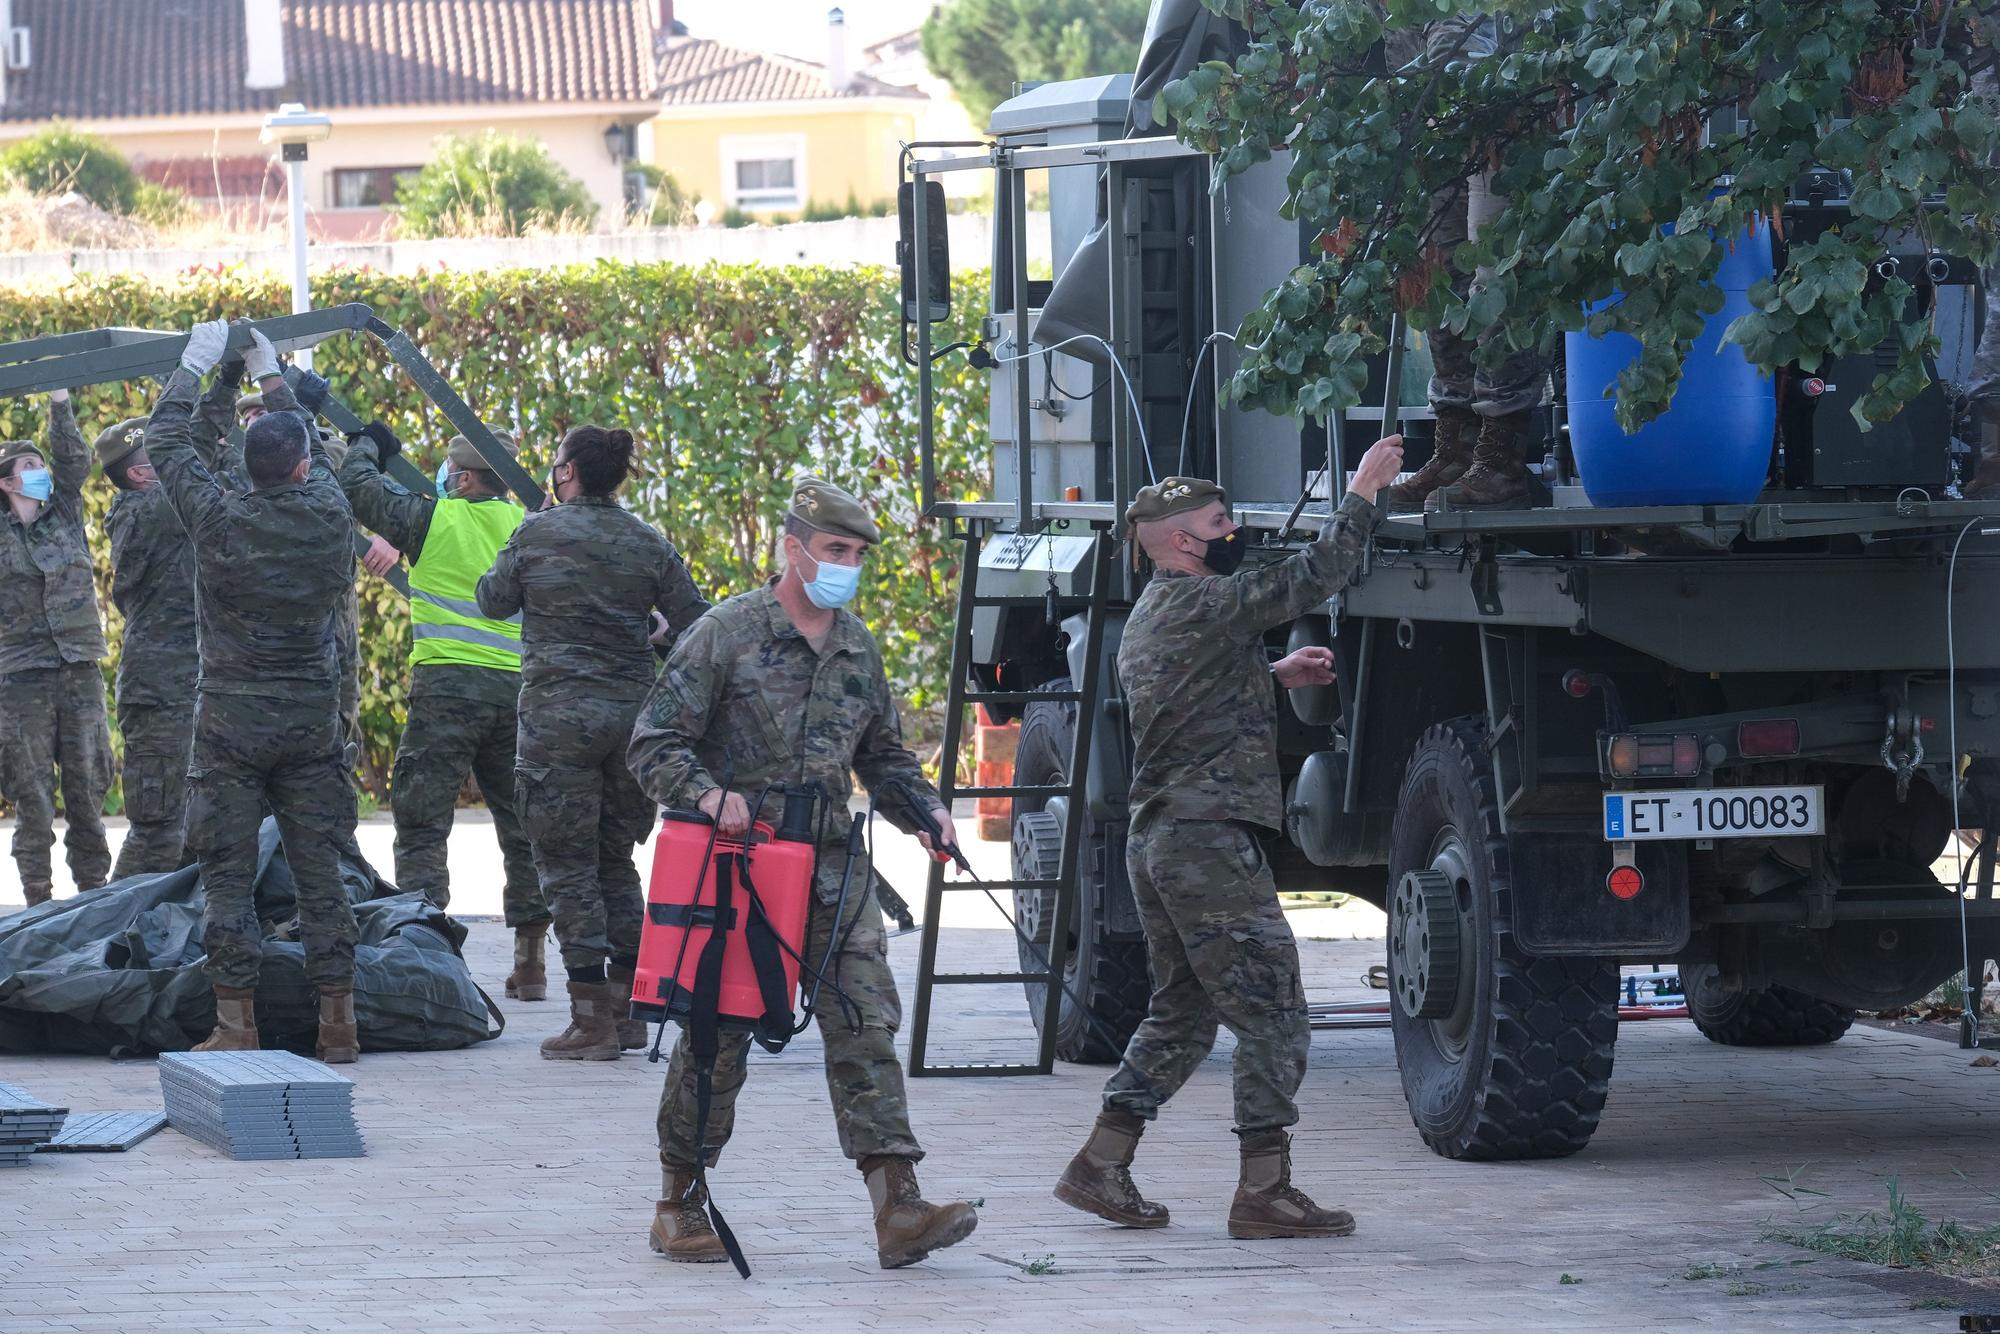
(768, 134)
(182, 87)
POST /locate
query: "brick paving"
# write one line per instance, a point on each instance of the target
(502, 1192)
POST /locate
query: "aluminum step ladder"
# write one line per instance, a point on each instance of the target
(959, 696)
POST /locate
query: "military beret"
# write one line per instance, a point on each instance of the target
(14, 449)
(1173, 495)
(461, 454)
(117, 443)
(819, 504)
(249, 401)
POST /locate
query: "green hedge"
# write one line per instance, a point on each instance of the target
(732, 377)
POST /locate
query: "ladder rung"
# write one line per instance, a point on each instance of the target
(975, 1069)
(1038, 600)
(1021, 696)
(982, 979)
(1001, 884)
(1059, 790)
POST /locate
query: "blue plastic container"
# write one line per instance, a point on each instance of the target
(1713, 445)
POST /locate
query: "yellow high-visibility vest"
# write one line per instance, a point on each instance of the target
(445, 624)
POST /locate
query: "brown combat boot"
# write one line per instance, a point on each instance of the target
(1450, 456)
(1267, 1205)
(591, 1035)
(1099, 1179)
(1498, 478)
(906, 1228)
(37, 895)
(235, 1021)
(680, 1222)
(530, 979)
(631, 1032)
(339, 1039)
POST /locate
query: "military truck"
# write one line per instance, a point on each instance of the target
(1730, 738)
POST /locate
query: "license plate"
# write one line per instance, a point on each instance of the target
(1724, 812)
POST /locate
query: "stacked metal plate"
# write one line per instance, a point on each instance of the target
(105, 1132)
(26, 1123)
(260, 1104)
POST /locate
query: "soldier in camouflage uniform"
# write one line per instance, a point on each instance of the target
(1984, 390)
(779, 686)
(1199, 697)
(52, 725)
(1479, 459)
(272, 565)
(584, 578)
(465, 678)
(152, 584)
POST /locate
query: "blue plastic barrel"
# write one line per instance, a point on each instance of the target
(1712, 446)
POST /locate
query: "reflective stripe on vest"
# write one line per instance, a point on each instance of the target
(445, 624)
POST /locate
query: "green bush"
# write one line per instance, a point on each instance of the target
(494, 185)
(732, 377)
(61, 159)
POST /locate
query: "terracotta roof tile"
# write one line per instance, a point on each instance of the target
(698, 72)
(130, 58)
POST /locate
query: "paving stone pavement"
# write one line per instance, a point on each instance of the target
(503, 1192)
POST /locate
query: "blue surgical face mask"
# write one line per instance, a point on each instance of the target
(834, 586)
(36, 483)
(444, 482)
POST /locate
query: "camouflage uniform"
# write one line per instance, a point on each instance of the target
(272, 567)
(1202, 705)
(462, 720)
(152, 585)
(585, 577)
(1984, 389)
(744, 691)
(1456, 380)
(52, 718)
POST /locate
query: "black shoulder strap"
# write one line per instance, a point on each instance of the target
(774, 1029)
(705, 1043)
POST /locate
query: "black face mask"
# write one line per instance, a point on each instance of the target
(1224, 554)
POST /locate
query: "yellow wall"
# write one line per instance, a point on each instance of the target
(846, 151)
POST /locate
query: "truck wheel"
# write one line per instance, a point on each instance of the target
(1770, 1017)
(1503, 1054)
(1109, 976)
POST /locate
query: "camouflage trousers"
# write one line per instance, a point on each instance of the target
(1220, 952)
(253, 751)
(159, 738)
(53, 735)
(871, 1112)
(445, 740)
(583, 813)
(1457, 380)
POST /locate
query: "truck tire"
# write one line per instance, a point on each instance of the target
(1517, 1060)
(1109, 976)
(1769, 1017)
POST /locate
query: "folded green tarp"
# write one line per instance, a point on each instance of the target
(117, 971)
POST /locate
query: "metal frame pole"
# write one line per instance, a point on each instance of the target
(1024, 428)
(926, 395)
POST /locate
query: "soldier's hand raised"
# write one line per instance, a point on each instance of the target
(734, 818)
(1379, 466)
(206, 343)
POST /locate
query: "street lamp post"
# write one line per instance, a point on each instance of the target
(293, 127)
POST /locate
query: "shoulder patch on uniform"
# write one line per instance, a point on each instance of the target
(394, 487)
(857, 687)
(665, 708)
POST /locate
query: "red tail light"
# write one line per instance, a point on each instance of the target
(1768, 737)
(1625, 882)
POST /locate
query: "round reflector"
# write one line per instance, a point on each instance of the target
(1625, 882)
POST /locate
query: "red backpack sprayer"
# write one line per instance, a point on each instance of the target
(722, 947)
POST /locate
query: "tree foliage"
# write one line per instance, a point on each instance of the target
(733, 378)
(493, 185)
(1605, 122)
(984, 47)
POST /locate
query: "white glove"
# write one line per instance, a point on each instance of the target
(260, 359)
(205, 345)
